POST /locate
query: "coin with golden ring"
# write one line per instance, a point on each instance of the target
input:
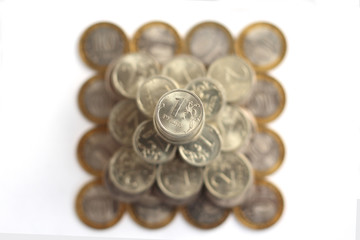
(263, 44)
(96, 207)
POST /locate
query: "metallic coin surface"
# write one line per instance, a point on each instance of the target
(183, 69)
(263, 208)
(109, 87)
(149, 146)
(96, 207)
(123, 121)
(236, 76)
(94, 101)
(267, 100)
(101, 43)
(203, 150)
(209, 41)
(151, 90)
(159, 39)
(95, 149)
(131, 70)
(263, 44)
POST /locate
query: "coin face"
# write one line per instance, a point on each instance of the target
(94, 101)
(109, 87)
(267, 100)
(131, 70)
(150, 147)
(263, 208)
(263, 44)
(203, 150)
(96, 207)
(159, 39)
(150, 92)
(209, 41)
(235, 75)
(95, 149)
(101, 43)
(183, 69)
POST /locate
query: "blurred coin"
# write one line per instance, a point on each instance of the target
(109, 87)
(101, 43)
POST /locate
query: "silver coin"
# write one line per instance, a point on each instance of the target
(183, 69)
(203, 150)
(211, 94)
(109, 87)
(150, 147)
(236, 76)
(130, 70)
(130, 173)
(123, 121)
(150, 92)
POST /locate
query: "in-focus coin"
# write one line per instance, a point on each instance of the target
(123, 121)
(130, 70)
(94, 101)
(159, 39)
(149, 146)
(211, 93)
(203, 150)
(96, 207)
(95, 149)
(263, 208)
(151, 90)
(235, 75)
(209, 41)
(267, 100)
(101, 43)
(263, 44)
(183, 69)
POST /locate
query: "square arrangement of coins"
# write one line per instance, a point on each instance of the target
(181, 125)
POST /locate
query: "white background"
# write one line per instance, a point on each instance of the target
(40, 123)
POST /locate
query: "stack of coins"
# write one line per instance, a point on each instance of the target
(181, 125)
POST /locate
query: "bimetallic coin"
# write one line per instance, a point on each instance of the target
(203, 150)
(150, 147)
(267, 100)
(263, 208)
(209, 41)
(101, 43)
(130, 70)
(151, 90)
(94, 101)
(96, 207)
(183, 69)
(235, 75)
(159, 39)
(95, 149)
(263, 44)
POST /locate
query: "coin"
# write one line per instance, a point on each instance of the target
(123, 120)
(236, 76)
(263, 44)
(94, 101)
(159, 39)
(268, 99)
(96, 207)
(183, 69)
(203, 150)
(149, 146)
(95, 149)
(209, 41)
(109, 87)
(101, 43)
(151, 90)
(263, 208)
(130, 70)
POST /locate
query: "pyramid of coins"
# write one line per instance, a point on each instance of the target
(181, 125)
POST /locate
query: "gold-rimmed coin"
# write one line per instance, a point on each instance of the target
(159, 39)
(263, 44)
(101, 43)
(96, 207)
(263, 208)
